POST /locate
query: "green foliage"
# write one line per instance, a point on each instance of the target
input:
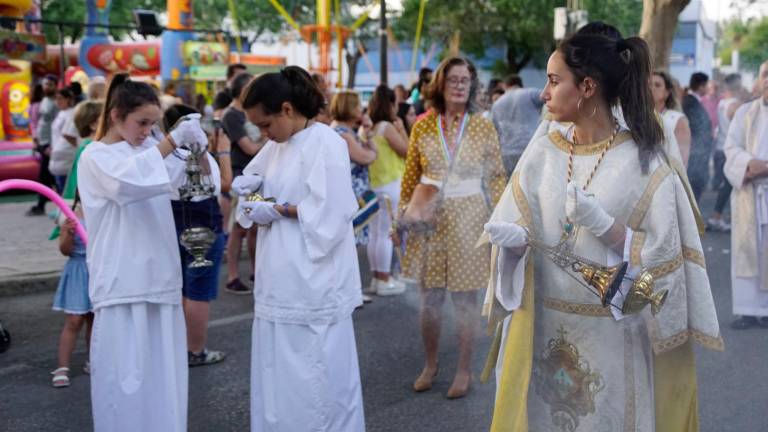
(626, 15)
(523, 27)
(750, 38)
(75, 11)
(254, 17)
(63, 10)
(754, 48)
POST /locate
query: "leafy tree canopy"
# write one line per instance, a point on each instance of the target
(522, 27)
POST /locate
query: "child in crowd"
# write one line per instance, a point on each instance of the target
(201, 284)
(72, 293)
(72, 298)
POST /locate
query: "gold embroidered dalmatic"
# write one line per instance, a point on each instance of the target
(565, 363)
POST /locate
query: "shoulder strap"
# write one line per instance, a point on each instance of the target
(380, 128)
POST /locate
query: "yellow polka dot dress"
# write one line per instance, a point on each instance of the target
(448, 257)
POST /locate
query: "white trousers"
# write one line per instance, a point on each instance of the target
(139, 368)
(305, 378)
(749, 298)
(379, 243)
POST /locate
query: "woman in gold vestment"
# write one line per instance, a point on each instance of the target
(568, 362)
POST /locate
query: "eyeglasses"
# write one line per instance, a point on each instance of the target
(458, 82)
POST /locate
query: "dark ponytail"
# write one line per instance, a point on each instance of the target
(292, 84)
(125, 96)
(636, 99)
(622, 69)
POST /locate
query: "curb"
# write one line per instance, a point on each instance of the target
(20, 285)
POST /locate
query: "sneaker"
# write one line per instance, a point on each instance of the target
(60, 377)
(205, 358)
(367, 299)
(35, 211)
(718, 225)
(390, 287)
(725, 226)
(372, 288)
(237, 287)
(87, 368)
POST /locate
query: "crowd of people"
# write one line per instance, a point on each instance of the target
(609, 160)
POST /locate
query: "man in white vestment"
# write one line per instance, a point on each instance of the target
(746, 168)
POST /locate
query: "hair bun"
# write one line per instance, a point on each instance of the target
(624, 50)
(294, 74)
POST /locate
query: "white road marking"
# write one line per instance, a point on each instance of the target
(230, 320)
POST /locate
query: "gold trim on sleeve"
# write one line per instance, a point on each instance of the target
(694, 256)
(522, 201)
(644, 203)
(674, 341)
(636, 248)
(585, 309)
(661, 346)
(666, 268)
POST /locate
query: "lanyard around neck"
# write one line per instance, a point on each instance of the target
(457, 141)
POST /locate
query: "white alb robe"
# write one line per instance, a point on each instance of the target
(138, 351)
(304, 371)
(748, 139)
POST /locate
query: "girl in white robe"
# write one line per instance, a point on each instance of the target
(138, 347)
(304, 368)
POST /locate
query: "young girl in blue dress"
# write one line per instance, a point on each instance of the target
(72, 298)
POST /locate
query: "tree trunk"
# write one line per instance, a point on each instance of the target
(516, 61)
(352, 60)
(512, 59)
(658, 28)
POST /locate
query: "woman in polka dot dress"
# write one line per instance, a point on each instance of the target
(452, 141)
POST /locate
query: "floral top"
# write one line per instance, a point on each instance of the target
(360, 182)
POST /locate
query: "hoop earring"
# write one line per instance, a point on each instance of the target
(578, 109)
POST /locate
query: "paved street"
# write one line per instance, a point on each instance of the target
(732, 386)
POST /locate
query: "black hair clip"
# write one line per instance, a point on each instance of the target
(624, 52)
(626, 55)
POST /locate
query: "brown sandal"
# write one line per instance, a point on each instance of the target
(237, 287)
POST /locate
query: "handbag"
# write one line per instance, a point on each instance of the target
(420, 213)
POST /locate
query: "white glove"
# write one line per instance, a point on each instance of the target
(188, 133)
(261, 212)
(585, 210)
(506, 234)
(246, 184)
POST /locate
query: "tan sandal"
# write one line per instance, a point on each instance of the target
(424, 383)
(60, 377)
(454, 392)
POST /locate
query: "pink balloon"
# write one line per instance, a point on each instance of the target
(50, 194)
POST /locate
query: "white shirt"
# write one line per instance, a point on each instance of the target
(669, 120)
(306, 268)
(723, 122)
(133, 252)
(62, 151)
